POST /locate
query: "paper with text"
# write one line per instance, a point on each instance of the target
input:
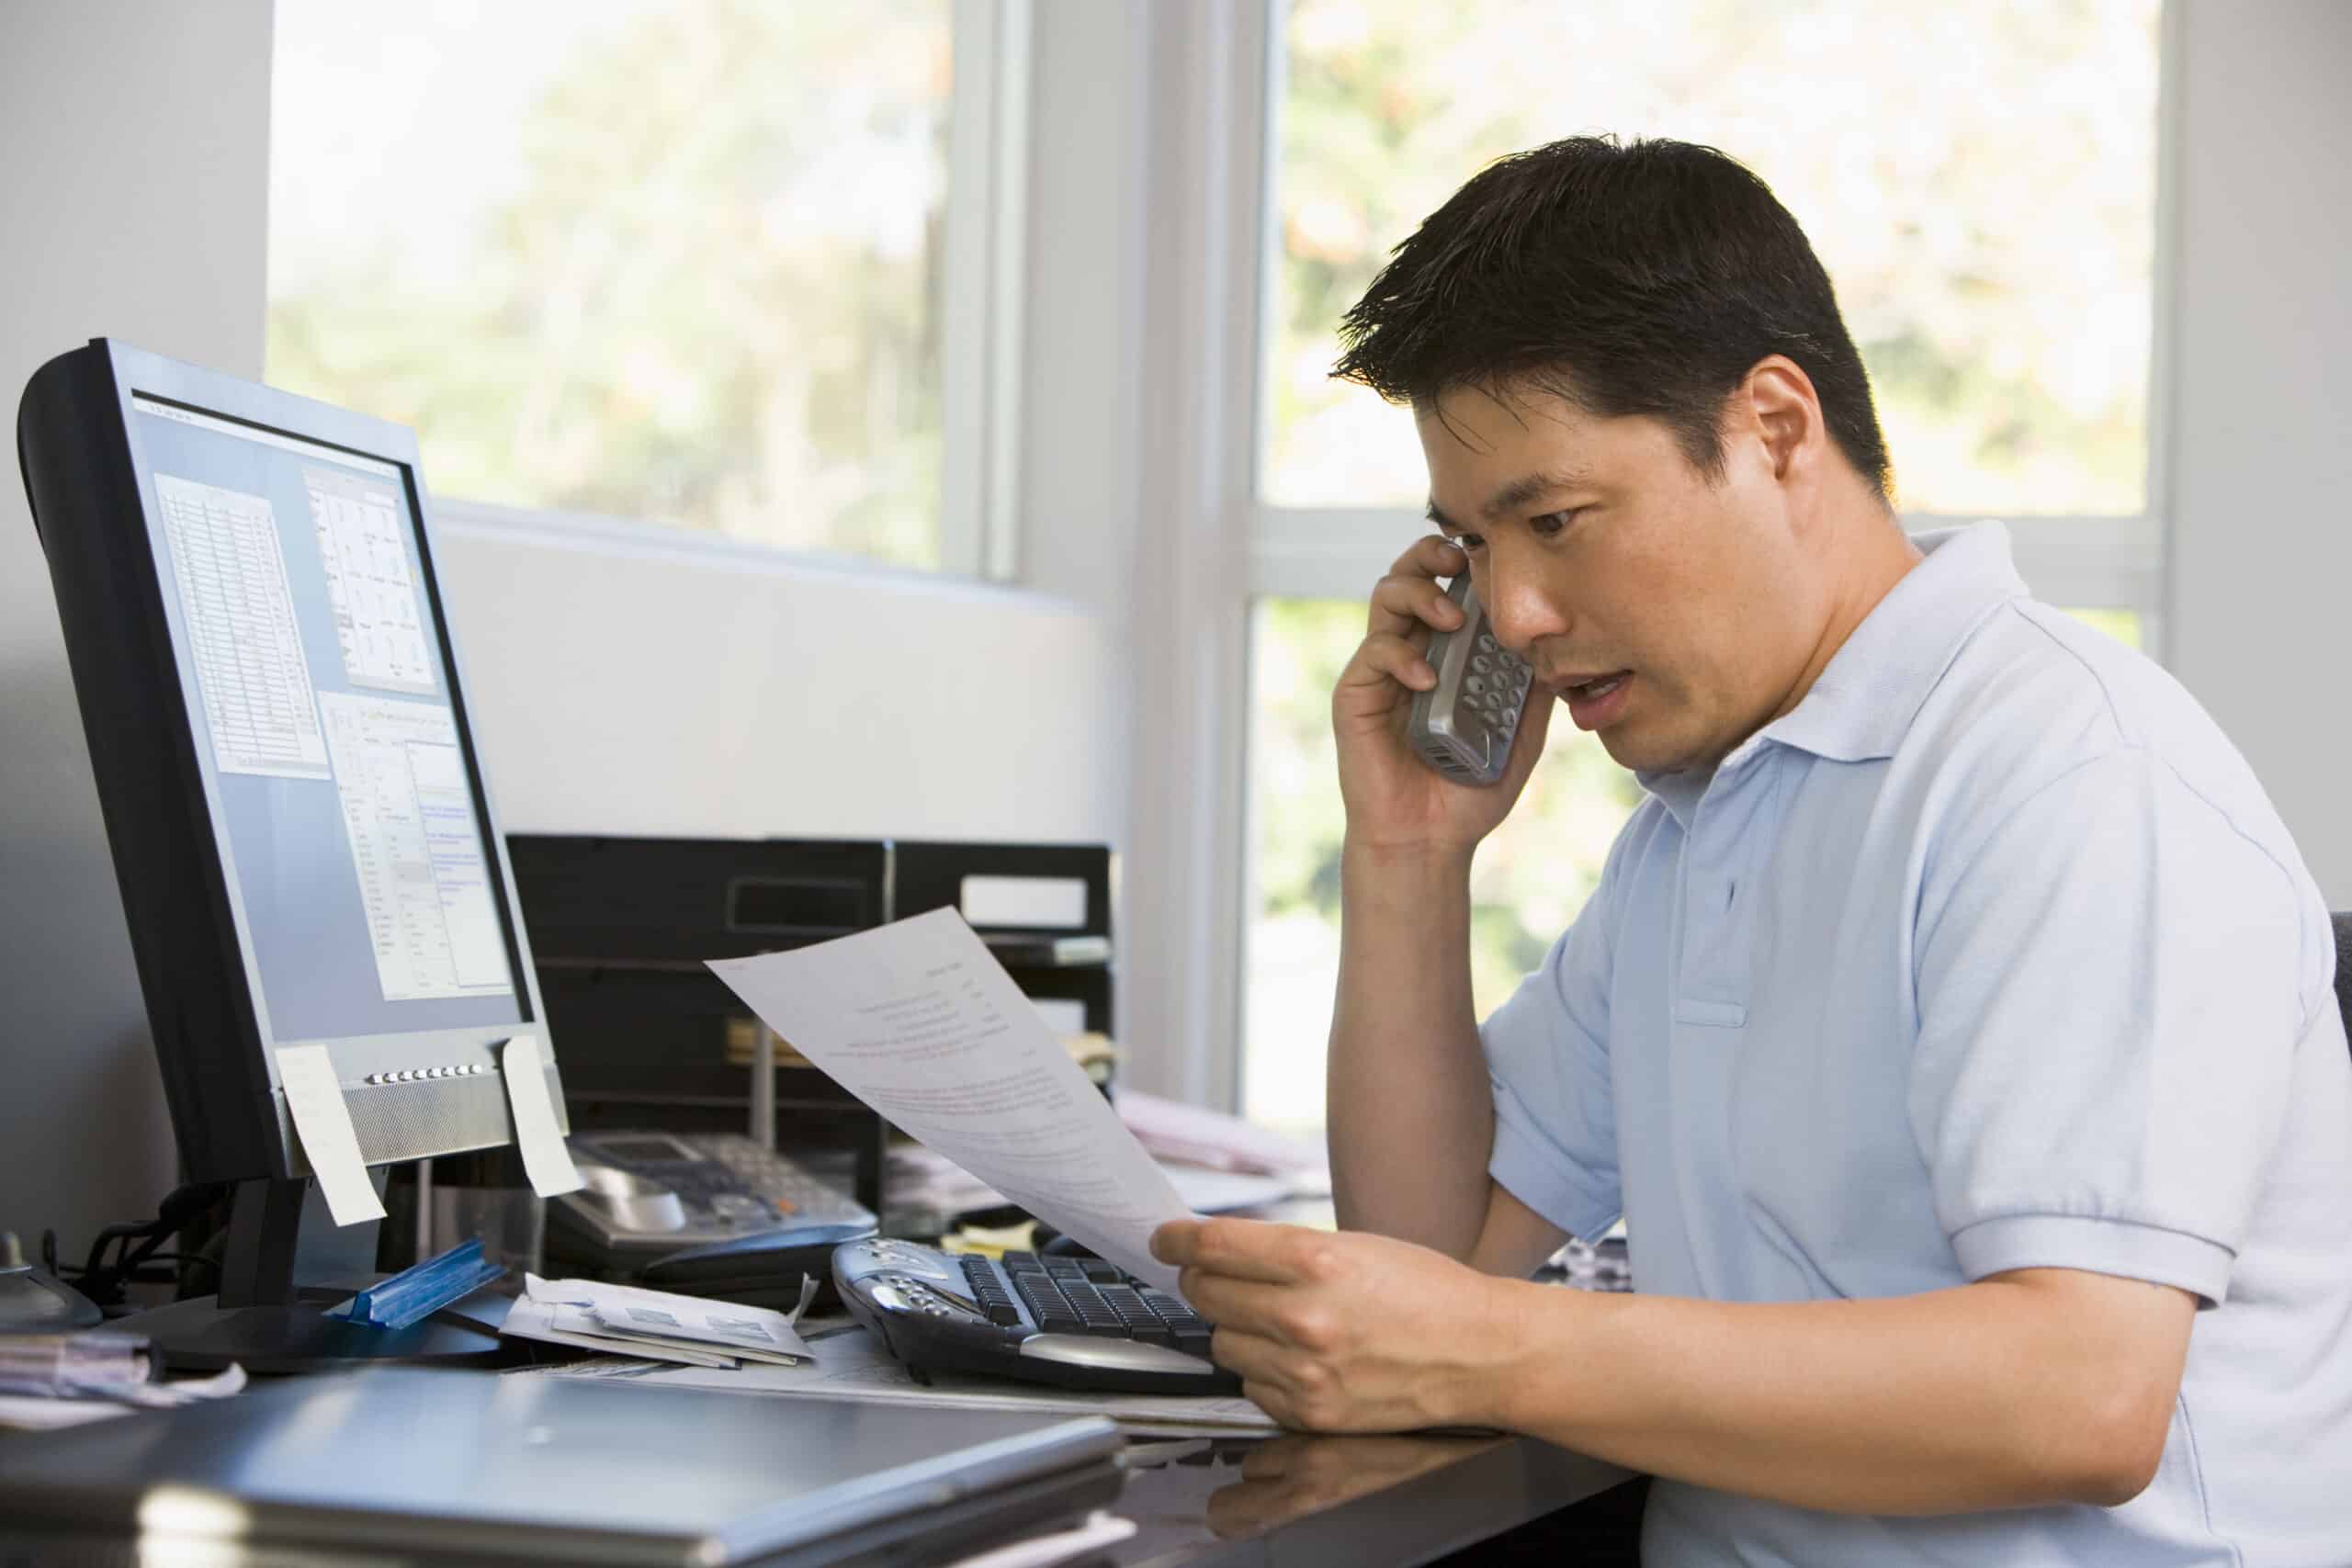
(919, 1020)
(322, 1121)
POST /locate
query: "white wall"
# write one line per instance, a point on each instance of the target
(625, 687)
(633, 687)
(133, 199)
(2261, 431)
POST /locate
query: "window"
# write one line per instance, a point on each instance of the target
(1990, 227)
(687, 264)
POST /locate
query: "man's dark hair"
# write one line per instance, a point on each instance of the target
(1640, 279)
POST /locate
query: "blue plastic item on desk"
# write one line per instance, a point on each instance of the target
(417, 1292)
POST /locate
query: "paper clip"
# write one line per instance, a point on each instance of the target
(418, 1292)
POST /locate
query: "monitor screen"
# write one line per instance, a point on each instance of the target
(310, 654)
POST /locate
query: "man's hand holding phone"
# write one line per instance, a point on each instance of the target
(1395, 799)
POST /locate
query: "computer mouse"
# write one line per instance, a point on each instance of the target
(32, 1301)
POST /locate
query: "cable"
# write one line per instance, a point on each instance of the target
(137, 1246)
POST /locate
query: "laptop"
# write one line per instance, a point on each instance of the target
(545, 1468)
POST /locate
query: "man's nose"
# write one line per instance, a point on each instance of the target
(1521, 608)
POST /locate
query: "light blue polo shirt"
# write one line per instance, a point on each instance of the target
(1989, 955)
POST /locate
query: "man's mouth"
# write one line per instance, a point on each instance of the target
(1595, 687)
(1596, 701)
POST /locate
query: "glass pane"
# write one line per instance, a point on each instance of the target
(655, 261)
(1530, 879)
(1988, 224)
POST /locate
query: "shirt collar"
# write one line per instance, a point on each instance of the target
(1862, 703)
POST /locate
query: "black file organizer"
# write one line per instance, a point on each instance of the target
(650, 1038)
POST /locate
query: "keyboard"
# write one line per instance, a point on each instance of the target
(1077, 1323)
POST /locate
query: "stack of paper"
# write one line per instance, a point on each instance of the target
(1193, 1135)
(657, 1324)
(60, 1379)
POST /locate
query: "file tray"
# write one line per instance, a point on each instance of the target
(533, 1467)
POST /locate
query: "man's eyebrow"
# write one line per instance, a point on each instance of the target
(1516, 494)
(1529, 487)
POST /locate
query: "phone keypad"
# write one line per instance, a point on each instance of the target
(1484, 686)
(1494, 695)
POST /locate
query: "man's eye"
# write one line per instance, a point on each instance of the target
(1551, 523)
(1470, 543)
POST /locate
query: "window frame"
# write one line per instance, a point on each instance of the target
(981, 342)
(1217, 81)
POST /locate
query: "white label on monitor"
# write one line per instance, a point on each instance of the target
(1025, 903)
(363, 545)
(546, 1160)
(417, 845)
(322, 1123)
(1061, 1016)
(238, 610)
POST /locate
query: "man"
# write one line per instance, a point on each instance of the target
(1951, 1027)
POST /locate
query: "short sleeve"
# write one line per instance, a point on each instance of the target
(1547, 1059)
(2109, 1000)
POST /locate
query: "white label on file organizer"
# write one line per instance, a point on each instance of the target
(1025, 903)
(322, 1121)
(545, 1159)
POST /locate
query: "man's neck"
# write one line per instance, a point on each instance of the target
(1865, 553)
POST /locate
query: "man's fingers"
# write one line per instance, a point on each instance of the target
(1245, 1305)
(1240, 1249)
(1251, 1357)
(1402, 603)
(1385, 657)
(1432, 555)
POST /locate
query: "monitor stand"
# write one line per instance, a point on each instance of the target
(266, 1322)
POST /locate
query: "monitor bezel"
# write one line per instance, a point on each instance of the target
(177, 931)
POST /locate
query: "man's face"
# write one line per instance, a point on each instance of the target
(1603, 555)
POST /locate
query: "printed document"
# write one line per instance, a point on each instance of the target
(919, 1020)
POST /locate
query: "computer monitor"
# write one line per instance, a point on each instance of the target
(302, 830)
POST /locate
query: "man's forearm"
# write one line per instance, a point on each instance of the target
(1411, 1119)
(1996, 1394)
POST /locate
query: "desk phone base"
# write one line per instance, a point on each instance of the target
(1072, 1322)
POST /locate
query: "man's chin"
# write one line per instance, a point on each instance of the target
(1631, 748)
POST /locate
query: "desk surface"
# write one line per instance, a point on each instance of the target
(1221, 1503)
(1298, 1499)
(1252, 1502)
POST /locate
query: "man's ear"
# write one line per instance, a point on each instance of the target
(1783, 412)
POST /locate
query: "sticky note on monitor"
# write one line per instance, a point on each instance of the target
(322, 1122)
(545, 1159)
